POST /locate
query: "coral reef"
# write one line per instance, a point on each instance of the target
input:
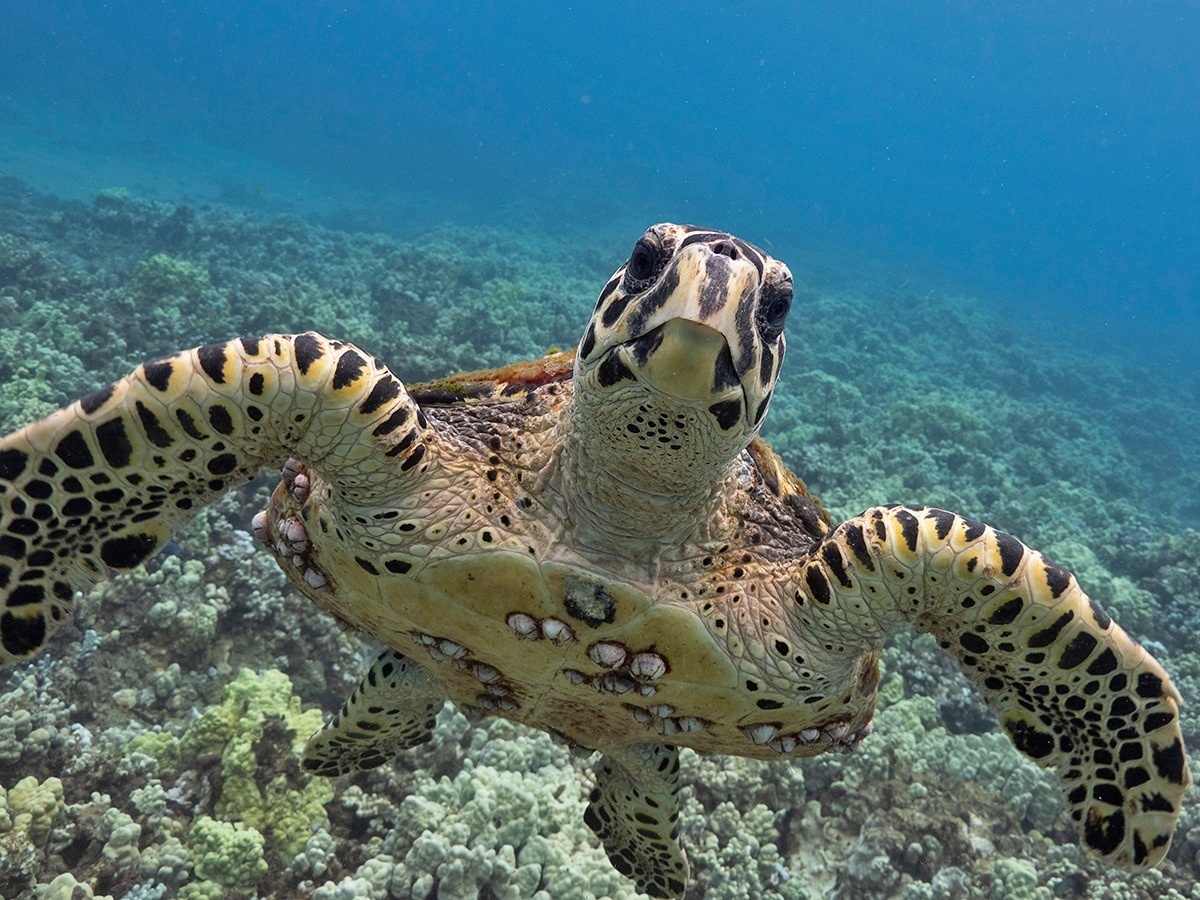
(153, 751)
(259, 721)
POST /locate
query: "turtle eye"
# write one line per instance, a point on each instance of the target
(774, 303)
(645, 262)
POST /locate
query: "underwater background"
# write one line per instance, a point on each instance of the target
(992, 212)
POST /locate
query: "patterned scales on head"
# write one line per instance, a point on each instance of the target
(595, 544)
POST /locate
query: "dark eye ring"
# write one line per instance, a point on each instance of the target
(645, 263)
(774, 303)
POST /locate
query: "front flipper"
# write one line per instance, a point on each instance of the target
(392, 709)
(100, 484)
(633, 809)
(1073, 691)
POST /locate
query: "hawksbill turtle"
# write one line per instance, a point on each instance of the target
(596, 544)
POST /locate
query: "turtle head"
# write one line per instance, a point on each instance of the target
(677, 365)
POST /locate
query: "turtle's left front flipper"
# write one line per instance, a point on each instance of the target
(100, 484)
(1073, 691)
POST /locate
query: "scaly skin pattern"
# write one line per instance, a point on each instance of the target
(593, 544)
(1072, 690)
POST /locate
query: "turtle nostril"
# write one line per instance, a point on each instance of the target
(725, 248)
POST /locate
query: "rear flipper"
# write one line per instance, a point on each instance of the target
(634, 809)
(1073, 691)
(393, 709)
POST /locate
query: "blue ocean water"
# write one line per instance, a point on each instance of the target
(1043, 154)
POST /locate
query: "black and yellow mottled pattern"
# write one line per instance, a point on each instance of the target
(634, 810)
(101, 484)
(393, 709)
(1073, 691)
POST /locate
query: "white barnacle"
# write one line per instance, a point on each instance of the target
(690, 723)
(300, 487)
(427, 640)
(647, 666)
(761, 733)
(523, 626)
(574, 676)
(662, 710)
(292, 474)
(259, 526)
(614, 684)
(315, 580)
(809, 735)
(608, 654)
(485, 673)
(294, 531)
(557, 630)
(641, 716)
(784, 744)
(452, 649)
(836, 731)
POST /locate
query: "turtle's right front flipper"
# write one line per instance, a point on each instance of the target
(100, 484)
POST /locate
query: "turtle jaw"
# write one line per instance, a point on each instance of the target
(686, 360)
(661, 416)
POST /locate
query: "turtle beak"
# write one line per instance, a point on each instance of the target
(687, 360)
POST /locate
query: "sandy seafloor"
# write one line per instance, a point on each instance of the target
(153, 750)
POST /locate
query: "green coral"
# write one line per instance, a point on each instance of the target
(26, 391)
(65, 887)
(186, 609)
(939, 420)
(509, 820)
(159, 745)
(259, 731)
(120, 835)
(34, 807)
(1017, 878)
(226, 854)
(21, 263)
(162, 276)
